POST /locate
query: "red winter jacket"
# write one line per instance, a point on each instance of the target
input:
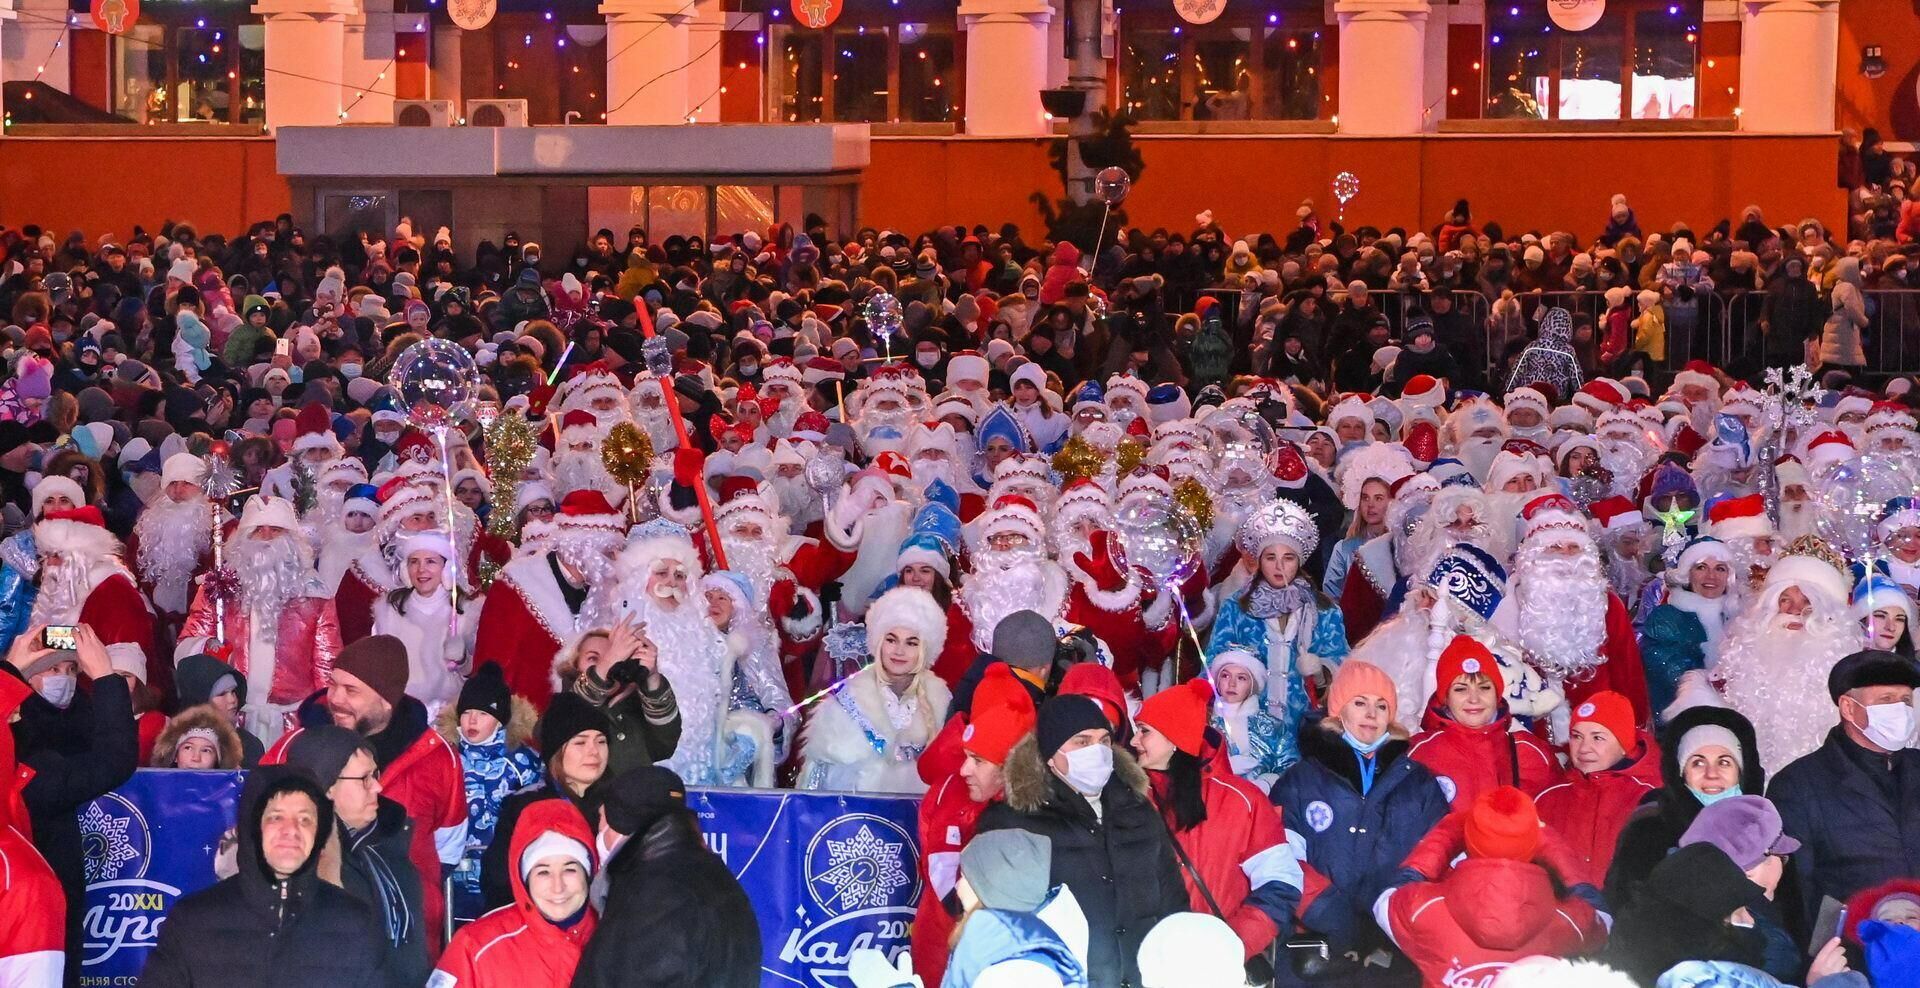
(1239, 848)
(33, 938)
(514, 946)
(1589, 811)
(947, 819)
(1468, 761)
(1489, 912)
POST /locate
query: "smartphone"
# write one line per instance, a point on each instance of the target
(282, 347)
(60, 636)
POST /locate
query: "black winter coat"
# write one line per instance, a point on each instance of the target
(1121, 866)
(257, 931)
(384, 847)
(1655, 827)
(1856, 815)
(674, 916)
(78, 755)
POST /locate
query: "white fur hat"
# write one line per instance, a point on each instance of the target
(911, 608)
(265, 509)
(639, 557)
(1031, 374)
(1529, 398)
(967, 367)
(183, 467)
(53, 484)
(1808, 572)
(73, 536)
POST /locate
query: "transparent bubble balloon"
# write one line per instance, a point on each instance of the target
(1112, 184)
(826, 471)
(1160, 539)
(435, 379)
(883, 314)
(1851, 495)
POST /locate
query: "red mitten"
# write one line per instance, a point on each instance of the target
(687, 461)
(1098, 562)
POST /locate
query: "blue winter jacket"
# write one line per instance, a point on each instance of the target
(993, 936)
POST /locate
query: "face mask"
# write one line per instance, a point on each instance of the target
(349, 371)
(926, 359)
(1366, 748)
(748, 367)
(1889, 725)
(1708, 799)
(58, 690)
(1089, 768)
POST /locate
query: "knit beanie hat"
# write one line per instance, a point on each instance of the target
(1180, 713)
(1609, 710)
(1465, 655)
(1357, 677)
(1062, 717)
(380, 661)
(1710, 734)
(1002, 715)
(487, 692)
(324, 750)
(1008, 869)
(1025, 639)
(568, 716)
(1503, 823)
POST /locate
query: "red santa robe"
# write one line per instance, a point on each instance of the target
(426, 779)
(1116, 607)
(524, 625)
(357, 582)
(113, 606)
(306, 640)
(1622, 671)
(1370, 583)
(33, 939)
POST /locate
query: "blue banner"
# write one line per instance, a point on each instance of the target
(827, 873)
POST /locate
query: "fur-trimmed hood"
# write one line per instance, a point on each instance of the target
(907, 607)
(1030, 781)
(519, 724)
(194, 718)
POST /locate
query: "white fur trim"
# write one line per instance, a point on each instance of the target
(805, 628)
(61, 536)
(912, 608)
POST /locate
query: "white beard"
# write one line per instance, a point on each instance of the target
(1778, 678)
(1796, 519)
(780, 423)
(1562, 611)
(692, 653)
(63, 591)
(1477, 455)
(1628, 461)
(658, 424)
(797, 501)
(757, 560)
(172, 535)
(574, 471)
(272, 574)
(1431, 540)
(1004, 583)
(927, 470)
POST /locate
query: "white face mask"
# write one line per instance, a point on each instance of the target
(1889, 725)
(58, 690)
(926, 359)
(1089, 768)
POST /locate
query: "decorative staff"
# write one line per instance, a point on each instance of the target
(659, 359)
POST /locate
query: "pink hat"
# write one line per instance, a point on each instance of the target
(1357, 677)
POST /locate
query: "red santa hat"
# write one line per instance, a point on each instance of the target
(1742, 399)
(1552, 514)
(1012, 513)
(1423, 391)
(822, 369)
(1825, 449)
(1738, 518)
(781, 369)
(1082, 497)
(414, 446)
(1616, 513)
(579, 426)
(78, 532)
(1889, 415)
(1526, 398)
(1602, 395)
(1423, 443)
(1697, 374)
(313, 429)
(1148, 483)
(587, 515)
(402, 497)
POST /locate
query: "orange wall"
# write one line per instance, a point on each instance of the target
(1256, 183)
(1890, 102)
(106, 185)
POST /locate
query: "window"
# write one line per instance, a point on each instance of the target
(209, 69)
(1248, 65)
(905, 72)
(1637, 63)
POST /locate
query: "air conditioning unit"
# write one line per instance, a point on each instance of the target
(496, 113)
(423, 113)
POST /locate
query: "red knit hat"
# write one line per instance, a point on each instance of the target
(1503, 823)
(1609, 710)
(1464, 655)
(1002, 715)
(1180, 713)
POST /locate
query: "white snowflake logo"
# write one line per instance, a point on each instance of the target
(863, 870)
(107, 843)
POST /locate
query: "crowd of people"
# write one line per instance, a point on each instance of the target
(1242, 609)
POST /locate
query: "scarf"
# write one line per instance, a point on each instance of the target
(1268, 602)
(394, 916)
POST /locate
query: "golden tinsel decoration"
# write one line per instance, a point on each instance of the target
(1128, 456)
(1193, 499)
(1078, 458)
(510, 445)
(628, 455)
(1818, 548)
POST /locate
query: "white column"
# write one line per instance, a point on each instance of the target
(1006, 66)
(306, 61)
(367, 64)
(649, 45)
(1789, 54)
(27, 39)
(1382, 65)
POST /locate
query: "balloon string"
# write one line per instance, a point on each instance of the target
(453, 565)
(831, 688)
(1186, 621)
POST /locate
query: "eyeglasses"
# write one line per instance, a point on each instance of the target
(368, 779)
